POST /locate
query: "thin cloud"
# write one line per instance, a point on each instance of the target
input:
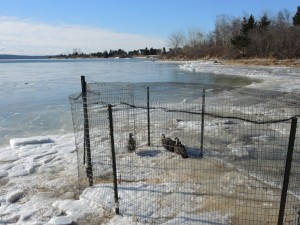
(31, 37)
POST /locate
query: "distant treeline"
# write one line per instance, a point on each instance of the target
(246, 37)
(8, 56)
(111, 53)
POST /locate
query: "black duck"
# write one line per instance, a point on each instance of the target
(180, 149)
(167, 143)
(131, 143)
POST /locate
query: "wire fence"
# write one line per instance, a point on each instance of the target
(237, 143)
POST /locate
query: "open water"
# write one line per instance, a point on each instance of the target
(34, 93)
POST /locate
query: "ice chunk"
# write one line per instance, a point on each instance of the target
(30, 141)
(117, 219)
(202, 218)
(8, 157)
(19, 173)
(75, 208)
(3, 173)
(242, 151)
(61, 220)
(14, 196)
(26, 214)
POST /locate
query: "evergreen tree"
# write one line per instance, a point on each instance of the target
(245, 27)
(146, 51)
(264, 22)
(251, 22)
(153, 51)
(105, 54)
(111, 53)
(164, 51)
(296, 18)
(241, 41)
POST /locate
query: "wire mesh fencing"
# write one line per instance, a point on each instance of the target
(225, 161)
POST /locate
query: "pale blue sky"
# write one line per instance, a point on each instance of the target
(54, 26)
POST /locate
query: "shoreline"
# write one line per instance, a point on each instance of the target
(295, 63)
(264, 62)
(274, 77)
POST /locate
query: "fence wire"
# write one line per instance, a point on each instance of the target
(234, 175)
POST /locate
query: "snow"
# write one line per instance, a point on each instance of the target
(38, 175)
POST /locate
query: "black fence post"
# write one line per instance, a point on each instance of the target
(288, 164)
(148, 114)
(113, 155)
(202, 122)
(87, 143)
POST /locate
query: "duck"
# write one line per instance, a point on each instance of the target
(180, 149)
(131, 143)
(167, 143)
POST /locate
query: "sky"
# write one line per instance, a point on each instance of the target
(46, 27)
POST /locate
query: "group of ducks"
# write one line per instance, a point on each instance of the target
(167, 143)
(174, 146)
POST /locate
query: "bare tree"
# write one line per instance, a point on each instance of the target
(283, 19)
(195, 37)
(176, 40)
(225, 27)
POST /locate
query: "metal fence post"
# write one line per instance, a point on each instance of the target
(87, 145)
(202, 121)
(288, 164)
(148, 114)
(113, 154)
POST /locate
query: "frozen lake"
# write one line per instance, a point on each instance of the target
(34, 93)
